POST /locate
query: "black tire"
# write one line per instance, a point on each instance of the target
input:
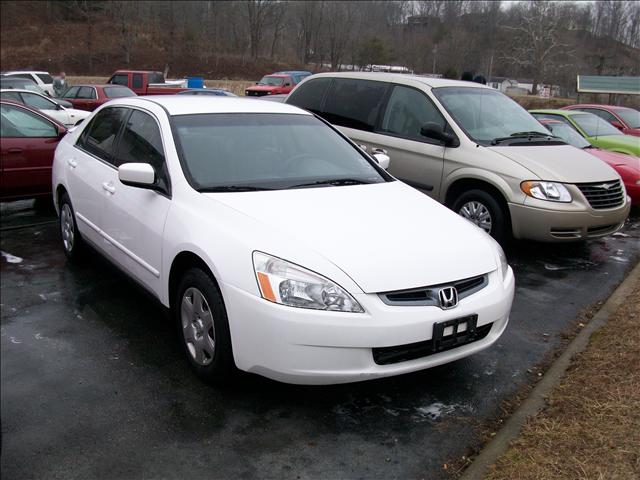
(499, 220)
(218, 367)
(73, 250)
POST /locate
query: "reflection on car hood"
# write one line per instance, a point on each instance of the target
(562, 163)
(385, 236)
(613, 158)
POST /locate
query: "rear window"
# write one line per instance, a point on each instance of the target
(120, 80)
(156, 77)
(309, 96)
(354, 103)
(631, 117)
(118, 92)
(45, 77)
(594, 126)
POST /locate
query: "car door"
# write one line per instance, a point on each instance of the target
(415, 159)
(85, 98)
(89, 167)
(26, 152)
(135, 217)
(45, 105)
(70, 95)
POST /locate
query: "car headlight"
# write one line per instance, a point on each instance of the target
(553, 191)
(501, 257)
(289, 284)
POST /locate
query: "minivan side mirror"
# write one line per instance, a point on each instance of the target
(382, 159)
(436, 132)
(137, 175)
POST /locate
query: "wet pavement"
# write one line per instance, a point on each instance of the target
(94, 384)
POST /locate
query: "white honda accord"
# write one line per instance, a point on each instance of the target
(279, 246)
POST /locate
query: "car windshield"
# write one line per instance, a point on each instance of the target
(568, 134)
(275, 81)
(253, 151)
(118, 92)
(630, 116)
(594, 126)
(485, 114)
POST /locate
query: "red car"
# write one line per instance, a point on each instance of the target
(627, 120)
(28, 140)
(90, 97)
(271, 85)
(627, 166)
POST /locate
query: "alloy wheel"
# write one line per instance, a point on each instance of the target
(66, 227)
(198, 328)
(478, 214)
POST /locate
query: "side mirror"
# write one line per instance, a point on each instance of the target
(436, 132)
(382, 159)
(137, 175)
(287, 84)
(618, 125)
(61, 132)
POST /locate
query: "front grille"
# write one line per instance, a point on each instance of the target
(603, 195)
(428, 296)
(411, 351)
(252, 93)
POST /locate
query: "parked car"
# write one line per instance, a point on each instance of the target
(144, 82)
(218, 92)
(268, 252)
(66, 116)
(597, 131)
(271, 85)
(627, 166)
(42, 79)
(280, 98)
(473, 149)
(625, 119)
(297, 75)
(90, 97)
(28, 141)
(7, 83)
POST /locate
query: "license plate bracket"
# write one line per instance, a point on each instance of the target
(454, 332)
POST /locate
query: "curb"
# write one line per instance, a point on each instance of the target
(535, 402)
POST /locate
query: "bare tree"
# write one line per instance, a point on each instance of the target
(257, 12)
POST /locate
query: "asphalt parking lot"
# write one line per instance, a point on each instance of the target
(94, 384)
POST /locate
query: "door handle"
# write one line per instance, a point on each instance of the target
(72, 163)
(15, 150)
(377, 150)
(363, 147)
(108, 187)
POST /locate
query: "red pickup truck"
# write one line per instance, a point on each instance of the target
(144, 82)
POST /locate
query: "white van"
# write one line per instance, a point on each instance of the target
(475, 150)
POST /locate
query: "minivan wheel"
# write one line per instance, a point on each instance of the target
(201, 316)
(72, 242)
(482, 209)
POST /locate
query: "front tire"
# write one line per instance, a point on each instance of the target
(204, 329)
(481, 208)
(72, 242)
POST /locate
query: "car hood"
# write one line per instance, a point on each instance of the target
(264, 88)
(633, 131)
(627, 142)
(74, 112)
(616, 159)
(562, 163)
(385, 236)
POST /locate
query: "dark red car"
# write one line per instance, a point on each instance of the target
(627, 120)
(28, 140)
(627, 166)
(90, 97)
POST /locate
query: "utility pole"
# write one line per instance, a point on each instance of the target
(435, 52)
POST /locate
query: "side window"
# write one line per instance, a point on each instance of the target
(309, 96)
(407, 111)
(120, 80)
(603, 114)
(13, 96)
(141, 142)
(38, 102)
(87, 93)
(100, 135)
(137, 80)
(354, 103)
(18, 122)
(71, 92)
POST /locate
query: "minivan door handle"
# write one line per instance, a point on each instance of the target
(108, 187)
(377, 150)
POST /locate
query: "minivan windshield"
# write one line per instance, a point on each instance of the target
(593, 125)
(485, 114)
(265, 151)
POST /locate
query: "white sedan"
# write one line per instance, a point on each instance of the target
(278, 245)
(66, 116)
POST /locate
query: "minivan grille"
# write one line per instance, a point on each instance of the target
(602, 195)
(425, 296)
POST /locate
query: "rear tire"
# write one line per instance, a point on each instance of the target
(72, 242)
(204, 329)
(483, 209)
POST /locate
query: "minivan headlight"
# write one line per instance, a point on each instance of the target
(285, 283)
(553, 191)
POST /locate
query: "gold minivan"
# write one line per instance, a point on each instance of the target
(475, 150)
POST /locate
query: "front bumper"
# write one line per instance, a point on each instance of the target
(305, 346)
(536, 221)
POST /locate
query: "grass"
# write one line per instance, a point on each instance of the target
(590, 428)
(234, 86)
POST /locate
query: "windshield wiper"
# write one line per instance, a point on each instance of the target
(232, 188)
(336, 182)
(516, 135)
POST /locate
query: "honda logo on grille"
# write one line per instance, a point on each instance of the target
(448, 297)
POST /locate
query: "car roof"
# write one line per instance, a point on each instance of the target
(401, 78)
(291, 72)
(595, 105)
(281, 74)
(564, 113)
(24, 90)
(195, 104)
(24, 71)
(136, 71)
